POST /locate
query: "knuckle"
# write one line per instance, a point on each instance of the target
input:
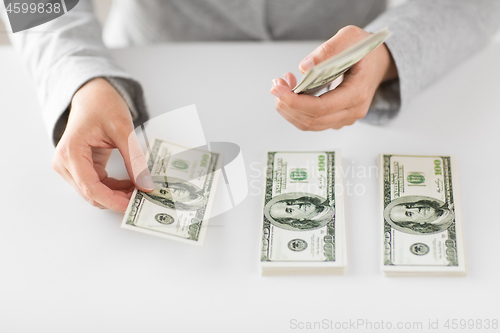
(87, 191)
(326, 50)
(359, 114)
(360, 98)
(71, 151)
(61, 152)
(323, 110)
(349, 123)
(292, 104)
(55, 163)
(93, 203)
(310, 123)
(300, 126)
(364, 96)
(351, 30)
(336, 126)
(280, 105)
(59, 158)
(288, 102)
(121, 127)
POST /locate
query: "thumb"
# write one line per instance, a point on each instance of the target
(136, 163)
(344, 38)
(320, 54)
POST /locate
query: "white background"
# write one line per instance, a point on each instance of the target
(68, 267)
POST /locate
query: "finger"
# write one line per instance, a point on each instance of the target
(280, 82)
(122, 188)
(305, 122)
(81, 168)
(345, 123)
(68, 178)
(319, 125)
(135, 161)
(279, 85)
(350, 94)
(290, 79)
(311, 105)
(352, 91)
(343, 39)
(292, 121)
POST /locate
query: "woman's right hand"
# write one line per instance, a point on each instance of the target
(100, 121)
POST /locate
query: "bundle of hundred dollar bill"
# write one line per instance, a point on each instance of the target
(320, 76)
(303, 220)
(180, 205)
(421, 220)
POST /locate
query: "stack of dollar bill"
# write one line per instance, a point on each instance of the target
(180, 205)
(303, 219)
(421, 220)
(320, 76)
(303, 228)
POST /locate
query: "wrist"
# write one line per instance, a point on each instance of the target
(390, 69)
(98, 104)
(91, 88)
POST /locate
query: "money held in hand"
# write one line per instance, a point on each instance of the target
(179, 206)
(320, 76)
(421, 221)
(303, 226)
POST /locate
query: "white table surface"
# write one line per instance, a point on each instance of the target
(69, 267)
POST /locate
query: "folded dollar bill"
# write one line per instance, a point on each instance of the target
(180, 205)
(421, 220)
(303, 219)
(320, 76)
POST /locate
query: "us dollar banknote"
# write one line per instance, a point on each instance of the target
(303, 227)
(421, 221)
(179, 206)
(320, 76)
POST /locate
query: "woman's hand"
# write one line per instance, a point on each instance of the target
(99, 121)
(347, 103)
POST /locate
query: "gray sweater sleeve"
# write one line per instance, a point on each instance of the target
(62, 55)
(430, 38)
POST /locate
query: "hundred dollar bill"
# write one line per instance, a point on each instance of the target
(421, 221)
(320, 76)
(303, 227)
(179, 206)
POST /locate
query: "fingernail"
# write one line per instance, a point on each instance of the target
(275, 93)
(275, 82)
(145, 181)
(307, 64)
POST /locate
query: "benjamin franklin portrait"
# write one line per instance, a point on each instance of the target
(299, 211)
(417, 214)
(176, 194)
